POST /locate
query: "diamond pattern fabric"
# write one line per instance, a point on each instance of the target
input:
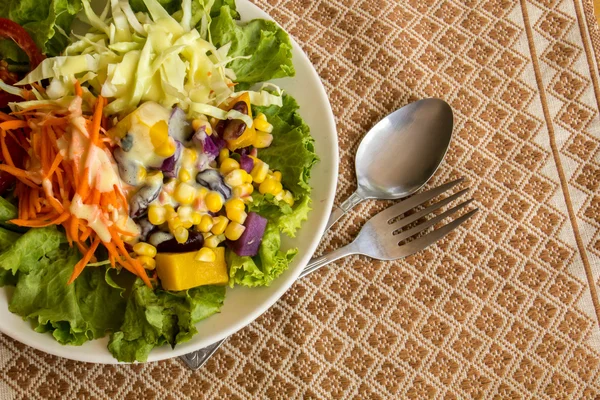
(507, 307)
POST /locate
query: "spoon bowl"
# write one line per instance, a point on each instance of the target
(400, 153)
(403, 150)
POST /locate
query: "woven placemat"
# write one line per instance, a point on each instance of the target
(506, 307)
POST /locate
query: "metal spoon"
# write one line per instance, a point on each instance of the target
(394, 160)
(400, 153)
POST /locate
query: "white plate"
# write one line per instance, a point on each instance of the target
(242, 305)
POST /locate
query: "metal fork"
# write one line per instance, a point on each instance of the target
(382, 238)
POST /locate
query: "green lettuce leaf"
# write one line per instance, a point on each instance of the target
(154, 318)
(287, 219)
(292, 151)
(7, 238)
(172, 6)
(74, 314)
(267, 44)
(7, 210)
(262, 269)
(10, 51)
(30, 248)
(47, 21)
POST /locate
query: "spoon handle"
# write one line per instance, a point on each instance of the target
(347, 205)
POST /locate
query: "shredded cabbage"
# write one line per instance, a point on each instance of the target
(10, 89)
(130, 58)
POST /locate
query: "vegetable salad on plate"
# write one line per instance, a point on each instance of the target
(146, 166)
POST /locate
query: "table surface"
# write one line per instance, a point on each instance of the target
(507, 306)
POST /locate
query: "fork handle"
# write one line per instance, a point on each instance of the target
(339, 211)
(318, 262)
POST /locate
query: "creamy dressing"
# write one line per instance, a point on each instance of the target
(94, 217)
(102, 173)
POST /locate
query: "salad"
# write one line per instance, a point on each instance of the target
(145, 166)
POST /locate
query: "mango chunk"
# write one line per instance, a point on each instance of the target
(181, 271)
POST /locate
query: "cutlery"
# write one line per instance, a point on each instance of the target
(383, 238)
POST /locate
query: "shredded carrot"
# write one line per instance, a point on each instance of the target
(55, 165)
(83, 262)
(13, 124)
(5, 117)
(52, 179)
(78, 91)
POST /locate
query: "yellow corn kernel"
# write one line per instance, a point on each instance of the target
(259, 171)
(185, 216)
(261, 116)
(243, 190)
(208, 129)
(147, 262)
(235, 204)
(270, 186)
(206, 224)
(220, 223)
(234, 231)
(236, 177)
(157, 215)
(197, 123)
(277, 176)
(201, 193)
(228, 165)
(167, 149)
(206, 235)
(144, 249)
(262, 140)
(205, 254)
(212, 241)
(141, 174)
(184, 193)
(223, 155)
(159, 133)
(214, 202)
(196, 217)
(262, 125)
(184, 175)
(189, 156)
(238, 216)
(170, 212)
(174, 224)
(181, 234)
(155, 178)
(288, 197)
(248, 178)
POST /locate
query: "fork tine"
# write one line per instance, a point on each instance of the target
(416, 200)
(432, 237)
(430, 222)
(413, 217)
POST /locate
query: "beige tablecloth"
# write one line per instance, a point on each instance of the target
(506, 307)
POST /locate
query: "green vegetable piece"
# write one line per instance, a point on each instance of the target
(173, 6)
(7, 210)
(262, 269)
(154, 318)
(47, 21)
(75, 313)
(27, 252)
(267, 43)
